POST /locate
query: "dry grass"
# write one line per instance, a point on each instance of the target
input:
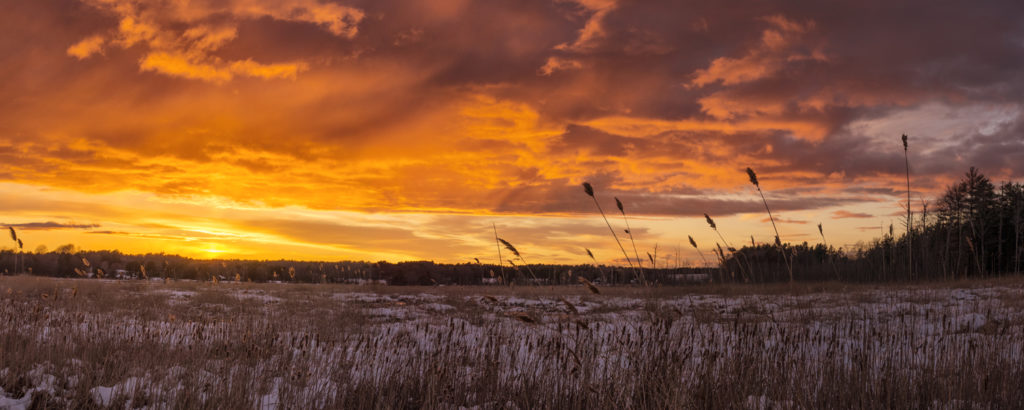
(90, 343)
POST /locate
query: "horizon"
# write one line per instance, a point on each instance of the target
(364, 131)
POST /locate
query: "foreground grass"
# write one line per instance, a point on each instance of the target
(90, 344)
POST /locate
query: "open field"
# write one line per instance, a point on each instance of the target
(133, 344)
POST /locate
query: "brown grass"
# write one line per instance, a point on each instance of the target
(823, 345)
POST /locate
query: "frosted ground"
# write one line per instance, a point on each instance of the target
(90, 343)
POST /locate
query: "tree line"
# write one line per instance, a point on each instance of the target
(974, 229)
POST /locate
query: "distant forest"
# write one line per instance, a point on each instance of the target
(66, 262)
(973, 230)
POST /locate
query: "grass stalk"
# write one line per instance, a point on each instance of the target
(629, 231)
(910, 221)
(778, 239)
(589, 190)
(497, 242)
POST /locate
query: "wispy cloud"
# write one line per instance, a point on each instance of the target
(32, 226)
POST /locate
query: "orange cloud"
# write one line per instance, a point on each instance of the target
(87, 47)
(840, 214)
(179, 65)
(189, 52)
(242, 124)
(779, 45)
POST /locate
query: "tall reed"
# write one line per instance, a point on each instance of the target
(732, 250)
(828, 253)
(604, 278)
(516, 253)
(778, 240)
(14, 237)
(699, 252)
(629, 231)
(589, 190)
(910, 221)
(497, 242)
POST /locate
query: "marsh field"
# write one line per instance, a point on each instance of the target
(76, 343)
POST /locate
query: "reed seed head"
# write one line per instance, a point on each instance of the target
(692, 242)
(904, 142)
(711, 222)
(14, 236)
(822, 232)
(590, 286)
(586, 188)
(753, 177)
(509, 247)
(618, 203)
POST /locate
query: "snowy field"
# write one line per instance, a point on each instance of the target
(89, 343)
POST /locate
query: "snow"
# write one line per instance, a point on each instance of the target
(393, 329)
(13, 403)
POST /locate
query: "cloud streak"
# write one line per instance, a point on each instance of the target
(31, 226)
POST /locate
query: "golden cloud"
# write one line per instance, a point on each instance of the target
(189, 52)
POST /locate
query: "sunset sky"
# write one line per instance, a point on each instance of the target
(402, 130)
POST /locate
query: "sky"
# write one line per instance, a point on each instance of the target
(410, 130)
